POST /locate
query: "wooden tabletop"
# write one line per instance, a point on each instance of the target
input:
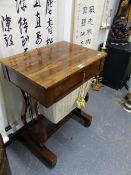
(49, 73)
(48, 65)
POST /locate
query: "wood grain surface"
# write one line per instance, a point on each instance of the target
(55, 70)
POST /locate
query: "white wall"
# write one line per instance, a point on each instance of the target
(65, 20)
(60, 19)
(101, 34)
(69, 20)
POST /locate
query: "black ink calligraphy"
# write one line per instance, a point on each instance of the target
(88, 41)
(23, 25)
(82, 43)
(90, 21)
(8, 40)
(7, 28)
(82, 34)
(49, 7)
(85, 10)
(86, 18)
(89, 31)
(38, 23)
(91, 9)
(6, 23)
(49, 41)
(25, 49)
(83, 22)
(38, 20)
(49, 27)
(20, 4)
(39, 38)
(24, 40)
(37, 3)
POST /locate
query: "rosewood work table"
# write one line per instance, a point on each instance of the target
(48, 74)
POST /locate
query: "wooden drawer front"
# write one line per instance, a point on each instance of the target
(27, 85)
(56, 92)
(60, 90)
(92, 70)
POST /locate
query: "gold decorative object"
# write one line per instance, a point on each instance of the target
(80, 101)
(97, 85)
(127, 103)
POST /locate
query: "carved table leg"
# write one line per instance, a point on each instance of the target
(26, 100)
(42, 134)
(36, 139)
(84, 116)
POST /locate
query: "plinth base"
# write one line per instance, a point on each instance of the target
(36, 142)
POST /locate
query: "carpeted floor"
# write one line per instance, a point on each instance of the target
(102, 149)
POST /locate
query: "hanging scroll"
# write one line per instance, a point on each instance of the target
(26, 24)
(85, 22)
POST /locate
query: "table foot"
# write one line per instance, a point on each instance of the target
(47, 156)
(84, 116)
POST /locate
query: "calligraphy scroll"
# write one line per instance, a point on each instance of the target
(26, 24)
(88, 16)
(85, 22)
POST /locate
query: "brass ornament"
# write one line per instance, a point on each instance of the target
(80, 101)
(127, 103)
(97, 84)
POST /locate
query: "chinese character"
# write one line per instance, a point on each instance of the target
(85, 10)
(91, 9)
(39, 39)
(26, 49)
(82, 34)
(20, 4)
(49, 6)
(8, 40)
(23, 25)
(83, 23)
(49, 41)
(24, 40)
(37, 20)
(37, 3)
(89, 31)
(6, 24)
(88, 41)
(49, 3)
(90, 21)
(82, 43)
(50, 24)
